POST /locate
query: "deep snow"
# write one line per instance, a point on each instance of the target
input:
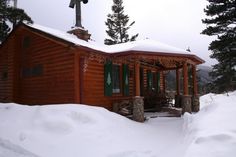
(80, 130)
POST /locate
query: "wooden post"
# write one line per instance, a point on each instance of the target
(138, 103)
(137, 79)
(185, 81)
(164, 81)
(195, 89)
(177, 82)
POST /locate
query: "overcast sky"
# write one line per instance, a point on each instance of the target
(174, 22)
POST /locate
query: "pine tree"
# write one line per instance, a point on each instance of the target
(222, 23)
(4, 28)
(16, 15)
(10, 15)
(117, 24)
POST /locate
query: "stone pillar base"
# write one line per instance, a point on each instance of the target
(138, 109)
(195, 103)
(186, 103)
(178, 101)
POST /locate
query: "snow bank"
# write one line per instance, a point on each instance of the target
(212, 131)
(60, 130)
(79, 130)
(7, 149)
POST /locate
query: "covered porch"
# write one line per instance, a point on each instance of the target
(149, 85)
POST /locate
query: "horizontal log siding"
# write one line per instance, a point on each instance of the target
(56, 84)
(93, 86)
(7, 65)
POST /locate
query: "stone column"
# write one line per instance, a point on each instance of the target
(186, 103)
(138, 109)
(195, 103)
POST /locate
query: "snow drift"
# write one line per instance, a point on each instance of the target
(212, 131)
(79, 130)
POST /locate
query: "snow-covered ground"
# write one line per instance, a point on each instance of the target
(84, 131)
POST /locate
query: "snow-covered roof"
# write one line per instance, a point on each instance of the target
(146, 45)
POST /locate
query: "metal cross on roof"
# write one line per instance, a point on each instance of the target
(77, 3)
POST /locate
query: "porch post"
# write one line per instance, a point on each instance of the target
(138, 103)
(177, 82)
(164, 82)
(195, 98)
(186, 101)
(177, 96)
(195, 89)
(137, 79)
(185, 83)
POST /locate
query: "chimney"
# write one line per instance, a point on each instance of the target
(81, 33)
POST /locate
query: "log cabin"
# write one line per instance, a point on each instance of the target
(40, 65)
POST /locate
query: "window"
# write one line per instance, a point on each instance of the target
(4, 76)
(115, 79)
(36, 70)
(153, 81)
(26, 42)
(149, 80)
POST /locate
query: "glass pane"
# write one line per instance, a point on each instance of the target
(116, 78)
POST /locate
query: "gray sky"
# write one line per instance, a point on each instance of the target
(174, 22)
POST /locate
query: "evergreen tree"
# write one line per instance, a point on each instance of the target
(10, 15)
(16, 15)
(222, 23)
(117, 24)
(4, 28)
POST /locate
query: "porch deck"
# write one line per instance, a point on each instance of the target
(165, 112)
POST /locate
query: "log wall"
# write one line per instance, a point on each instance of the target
(7, 70)
(54, 84)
